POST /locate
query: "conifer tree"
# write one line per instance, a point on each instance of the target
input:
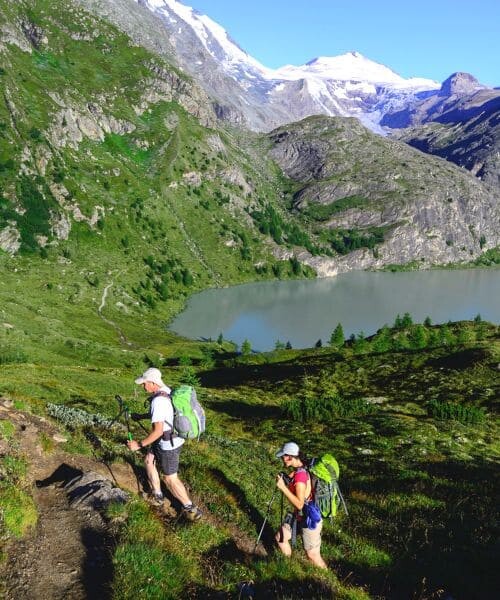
(337, 337)
(246, 348)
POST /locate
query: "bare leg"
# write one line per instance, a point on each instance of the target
(152, 473)
(283, 537)
(315, 557)
(177, 488)
(312, 545)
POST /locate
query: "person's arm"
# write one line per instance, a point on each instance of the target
(139, 416)
(298, 499)
(156, 433)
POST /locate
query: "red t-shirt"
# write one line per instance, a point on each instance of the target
(300, 476)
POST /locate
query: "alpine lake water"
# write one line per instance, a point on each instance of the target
(302, 312)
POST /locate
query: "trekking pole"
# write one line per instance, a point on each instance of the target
(125, 411)
(343, 502)
(265, 518)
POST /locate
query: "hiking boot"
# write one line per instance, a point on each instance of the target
(157, 499)
(192, 513)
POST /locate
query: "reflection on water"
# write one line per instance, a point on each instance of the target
(304, 311)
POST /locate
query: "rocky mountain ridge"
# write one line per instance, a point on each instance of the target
(351, 180)
(247, 93)
(104, 141)
(461, 122)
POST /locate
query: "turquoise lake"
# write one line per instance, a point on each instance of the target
(304, 311)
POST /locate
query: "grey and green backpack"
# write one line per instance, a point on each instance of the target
(189, 416)
(324, 473)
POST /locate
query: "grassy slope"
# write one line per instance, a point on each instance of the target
(158, 236)
(420, 490)
(409, 516)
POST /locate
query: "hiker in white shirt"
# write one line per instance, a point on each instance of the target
(162, 446)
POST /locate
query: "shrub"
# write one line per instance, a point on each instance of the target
(34, 133)
(322, 409)
(9, 356)
(382, 342)
(189, 377)
(246, 348)
(295, 264)
(418, 337)
(446, 411)
(75, 417)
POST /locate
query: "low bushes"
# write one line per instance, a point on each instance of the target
(451, 411)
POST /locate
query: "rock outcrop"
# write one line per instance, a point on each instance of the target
(430, 211)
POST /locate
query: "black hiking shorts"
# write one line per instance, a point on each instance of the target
(168, 460)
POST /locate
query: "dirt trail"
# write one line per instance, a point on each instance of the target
(112, 324)
(68, 554)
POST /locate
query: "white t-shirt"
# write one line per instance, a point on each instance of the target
(162, 411)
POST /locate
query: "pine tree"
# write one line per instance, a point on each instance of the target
(406, 320)
(418, 337)
(383, 340)
(246, 348)
(397, 322)
(337, 337)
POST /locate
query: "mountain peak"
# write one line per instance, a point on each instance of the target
(351, 66)
(459, 83)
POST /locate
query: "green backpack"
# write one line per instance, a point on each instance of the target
(189, 416)
(324, 473)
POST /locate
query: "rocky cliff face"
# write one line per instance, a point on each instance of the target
(460, 123)
(101, 140)
(247, 93)
(348, 179)
(460, 98)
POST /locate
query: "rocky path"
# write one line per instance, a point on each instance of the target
(68, 554)
(102, 305)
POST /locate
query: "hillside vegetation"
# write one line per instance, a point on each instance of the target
(120, 195)
(410, 414)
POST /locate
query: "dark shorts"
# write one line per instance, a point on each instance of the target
(168, 460)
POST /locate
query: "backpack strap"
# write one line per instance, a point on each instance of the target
(167, 435)
(311, 494)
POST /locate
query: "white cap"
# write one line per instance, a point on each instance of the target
(289, 448)
(153, 375)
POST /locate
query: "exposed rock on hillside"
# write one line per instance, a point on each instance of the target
(147, 31)
(460, 122)
(10, 239)
(350, 179)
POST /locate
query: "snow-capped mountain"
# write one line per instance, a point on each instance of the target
(247, 92)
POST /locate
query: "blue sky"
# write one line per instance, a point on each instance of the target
(423, 38)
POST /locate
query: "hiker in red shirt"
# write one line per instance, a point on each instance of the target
(298, 491)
